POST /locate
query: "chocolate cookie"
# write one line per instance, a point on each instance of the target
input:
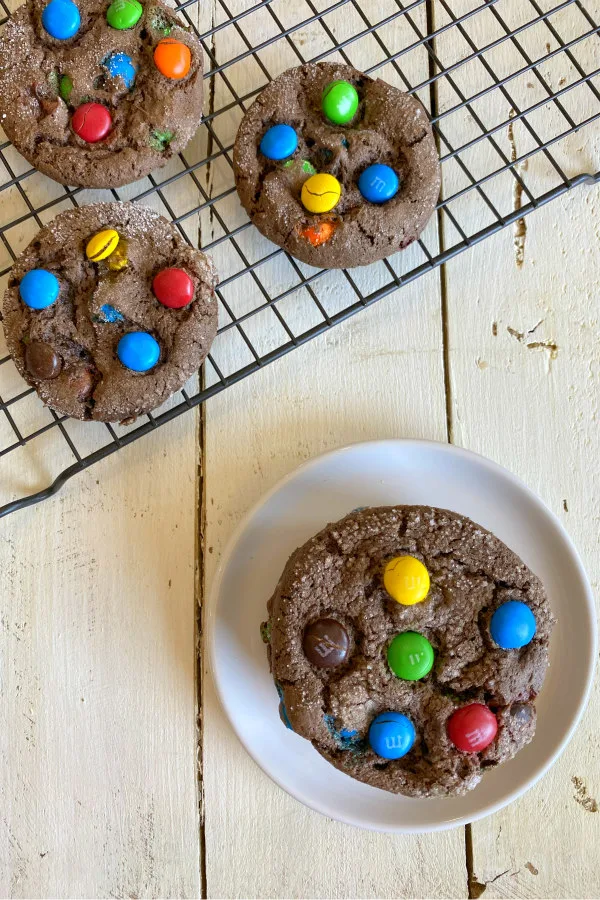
(408, 645)
(108, 311)
(337, 168)
(99, 95)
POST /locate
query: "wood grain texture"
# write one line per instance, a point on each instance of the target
(532, 405)
(349, 385)
(98, 751)
(378, 375)
(98, 790)
(524, 377)
(98, 748)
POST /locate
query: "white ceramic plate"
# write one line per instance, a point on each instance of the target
(384, 473)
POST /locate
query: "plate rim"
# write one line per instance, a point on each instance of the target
(416, 443)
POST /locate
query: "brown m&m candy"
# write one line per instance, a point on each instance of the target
(42, 361)
(81, 383)
(326, 643)
(522, 712)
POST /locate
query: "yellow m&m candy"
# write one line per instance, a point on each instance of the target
(102, 245)
(320, 193)
(406, 580)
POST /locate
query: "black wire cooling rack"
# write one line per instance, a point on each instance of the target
(509, 85)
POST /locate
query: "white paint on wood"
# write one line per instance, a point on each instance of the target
(524, 378)
(98, 789)
(532, 405)
(378, 375)
(98, 747)
(97, 682)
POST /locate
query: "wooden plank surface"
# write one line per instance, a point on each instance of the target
(532, 405)
(259, 841)
(98, 793)
(524, 368)
(98, 748)
(98, 777)
(347, 385)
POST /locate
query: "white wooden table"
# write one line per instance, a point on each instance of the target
(119, 776)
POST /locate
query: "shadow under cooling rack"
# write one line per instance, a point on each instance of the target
(509, 88)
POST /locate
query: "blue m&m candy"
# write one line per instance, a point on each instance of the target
(391, 735)
(39, 288)
(61, 19)
(138, 351)
(512, 625)
(279, 142)
(378, 183)
(119, 65)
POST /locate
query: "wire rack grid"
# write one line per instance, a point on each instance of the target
(509, 85)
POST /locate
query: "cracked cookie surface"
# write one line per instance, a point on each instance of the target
(99, 302)
(390, 128)
(338, 574)
(151, 121)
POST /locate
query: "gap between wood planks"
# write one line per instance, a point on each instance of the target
(200, 548)
(474, 888)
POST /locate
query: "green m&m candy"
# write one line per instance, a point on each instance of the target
(410, 656)
(339, 102)
(122, 14)
(65, 86)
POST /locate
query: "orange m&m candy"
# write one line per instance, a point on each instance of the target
(172, 58)
(320, 233)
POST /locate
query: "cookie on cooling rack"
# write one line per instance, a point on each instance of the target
(408, 645)
(99, 95)
(337, 168)
(109, 311)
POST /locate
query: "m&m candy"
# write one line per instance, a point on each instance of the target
(406, 580)
(138, 351)
(102, 245)
(378, 183)
(319, 233)
(110, 315)
(172, 58)
(160, 138)
(391, 735)
(340, 102)
(91, 122)
(326, 643)
(173, 288)
(42, 361)
(81, 382)
(522, 712)
(61, 19)
(119, 65)
(122, 14)
(118, 258)
(279, 142)
(512, 625)
(320, 193)
(284, 716)
(65, 86)
(410, 656)
(472, 728)
(39, 288)
(303, 164)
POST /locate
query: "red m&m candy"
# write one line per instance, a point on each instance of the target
(472, 728)
(91, 122)
(173, 288)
